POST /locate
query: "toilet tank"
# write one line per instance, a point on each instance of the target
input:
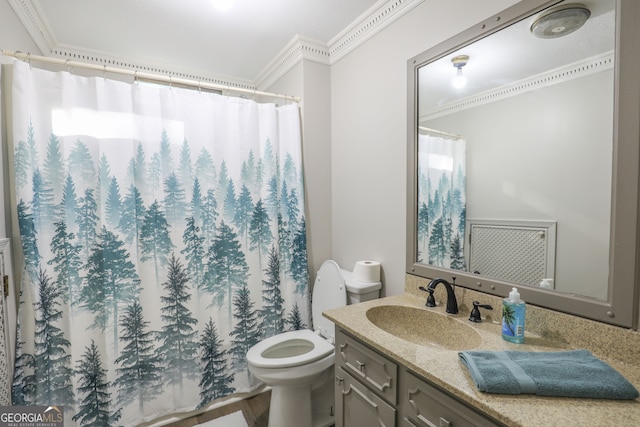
(358, 291)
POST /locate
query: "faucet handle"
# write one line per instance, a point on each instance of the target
(431, 301)
(475, 312)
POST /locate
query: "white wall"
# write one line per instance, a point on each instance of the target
(369, 138)
(311, 81)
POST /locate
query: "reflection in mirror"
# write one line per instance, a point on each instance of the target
(441, 198)
(515, 152)
(551, 162)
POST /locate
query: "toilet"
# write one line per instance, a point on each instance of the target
(299, 365)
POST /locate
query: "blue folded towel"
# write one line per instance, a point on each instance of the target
(576, 373)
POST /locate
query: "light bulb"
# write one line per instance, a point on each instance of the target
(459, 81)
(223, 5)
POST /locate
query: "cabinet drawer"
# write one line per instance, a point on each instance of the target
(425, 406)
(358, 406)
(374, 370)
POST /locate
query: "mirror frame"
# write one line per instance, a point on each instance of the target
(621, 307)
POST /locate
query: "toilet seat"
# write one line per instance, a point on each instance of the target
(304, 345)
(299, 364)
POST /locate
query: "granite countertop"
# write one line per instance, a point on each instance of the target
(442, 367)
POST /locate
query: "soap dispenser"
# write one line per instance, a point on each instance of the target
(546, 283)
(513, 313)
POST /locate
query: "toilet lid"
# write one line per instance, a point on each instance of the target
(329, 292)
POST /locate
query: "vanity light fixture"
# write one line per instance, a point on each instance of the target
(560, 21)
(459, 81)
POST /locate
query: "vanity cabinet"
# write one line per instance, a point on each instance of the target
(366, 385)
(423, 405)
(373, 390)
(358, 406)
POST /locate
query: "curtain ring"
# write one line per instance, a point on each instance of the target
(104, 71)
(170, 81)
(29, 59)
(135, 77)
(199, 86)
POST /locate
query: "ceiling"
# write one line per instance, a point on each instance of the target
(192, 35)
(256, 40)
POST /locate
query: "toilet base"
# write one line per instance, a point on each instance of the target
(307, 405)
(290, 406)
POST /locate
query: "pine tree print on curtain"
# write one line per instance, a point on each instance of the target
(138, 374)
(94, 407)
(441, 200)
(215, 380)
(163, 235)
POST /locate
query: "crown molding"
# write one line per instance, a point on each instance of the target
(30, 17)
(370, 23)
(298, 49)
(377, 18)
(148, 67)
(556, 76)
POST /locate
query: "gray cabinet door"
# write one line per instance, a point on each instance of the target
(357, 406)
(363, 363)
(423, 405)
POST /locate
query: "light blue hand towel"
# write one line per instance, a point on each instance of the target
(576, 373)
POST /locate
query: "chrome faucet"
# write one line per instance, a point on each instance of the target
(452, 303)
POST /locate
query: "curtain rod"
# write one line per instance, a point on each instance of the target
(439, 132)
(143, 75)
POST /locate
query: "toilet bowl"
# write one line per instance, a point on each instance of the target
(299, 365)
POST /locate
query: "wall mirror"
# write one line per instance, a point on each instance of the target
(523, 157)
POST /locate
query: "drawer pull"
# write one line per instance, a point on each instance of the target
(339, 381)
(410, 423)
(360, 365)
(364, 397)
(427, 422)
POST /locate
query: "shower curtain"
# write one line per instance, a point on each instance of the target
(163, 234)
(441, 199)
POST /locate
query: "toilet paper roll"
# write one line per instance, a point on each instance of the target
(367, 271)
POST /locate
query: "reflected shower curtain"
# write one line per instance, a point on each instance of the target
(441, 199)
(163, 234)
